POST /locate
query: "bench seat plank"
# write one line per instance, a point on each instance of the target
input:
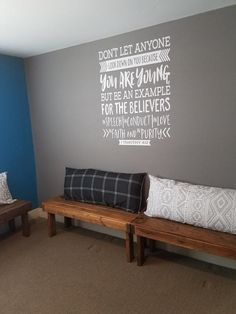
(187, 236)
(96, 214)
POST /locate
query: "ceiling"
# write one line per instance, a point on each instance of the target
(33, 27)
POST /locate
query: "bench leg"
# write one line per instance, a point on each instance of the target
(11, 224)
(152, 245)
(25, 225)
(67, 222)
(140, 250)
(51, 225)
(129, 244)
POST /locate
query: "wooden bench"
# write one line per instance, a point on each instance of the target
(182, 235)
(96, 214)
(9, 212)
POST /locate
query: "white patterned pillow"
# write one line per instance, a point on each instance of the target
(5, 195)
(207, 207)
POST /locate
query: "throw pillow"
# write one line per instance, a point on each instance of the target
(5, 195)
(203, 206)
(121, 190)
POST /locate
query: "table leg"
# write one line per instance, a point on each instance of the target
(25, 225)
(152, 245)
(129, 244)
(11, 224)
(140, 250)
(51, 225)
(67, 222)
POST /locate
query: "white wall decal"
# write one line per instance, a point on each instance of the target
(135, 92)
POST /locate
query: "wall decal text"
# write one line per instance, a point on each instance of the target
(135, 92)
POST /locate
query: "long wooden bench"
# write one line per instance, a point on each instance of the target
(182, 235)
(9, 212)
(96, 214)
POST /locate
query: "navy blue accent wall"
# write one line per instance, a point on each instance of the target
(16, 146)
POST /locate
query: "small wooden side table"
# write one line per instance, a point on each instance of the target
(8, 213)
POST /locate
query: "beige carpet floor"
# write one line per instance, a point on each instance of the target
(80, 271)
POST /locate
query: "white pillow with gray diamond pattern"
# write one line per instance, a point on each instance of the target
(202, 206)
(5, 195)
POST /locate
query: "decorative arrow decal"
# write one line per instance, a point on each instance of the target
(165, 132)
(106, 133)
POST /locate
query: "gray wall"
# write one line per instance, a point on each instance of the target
(64, 94)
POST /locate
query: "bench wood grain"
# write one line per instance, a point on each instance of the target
(96, 214)
(182, 235)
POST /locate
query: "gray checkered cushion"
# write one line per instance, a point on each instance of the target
(121, 190)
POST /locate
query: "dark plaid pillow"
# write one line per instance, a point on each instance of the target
(121, 190)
